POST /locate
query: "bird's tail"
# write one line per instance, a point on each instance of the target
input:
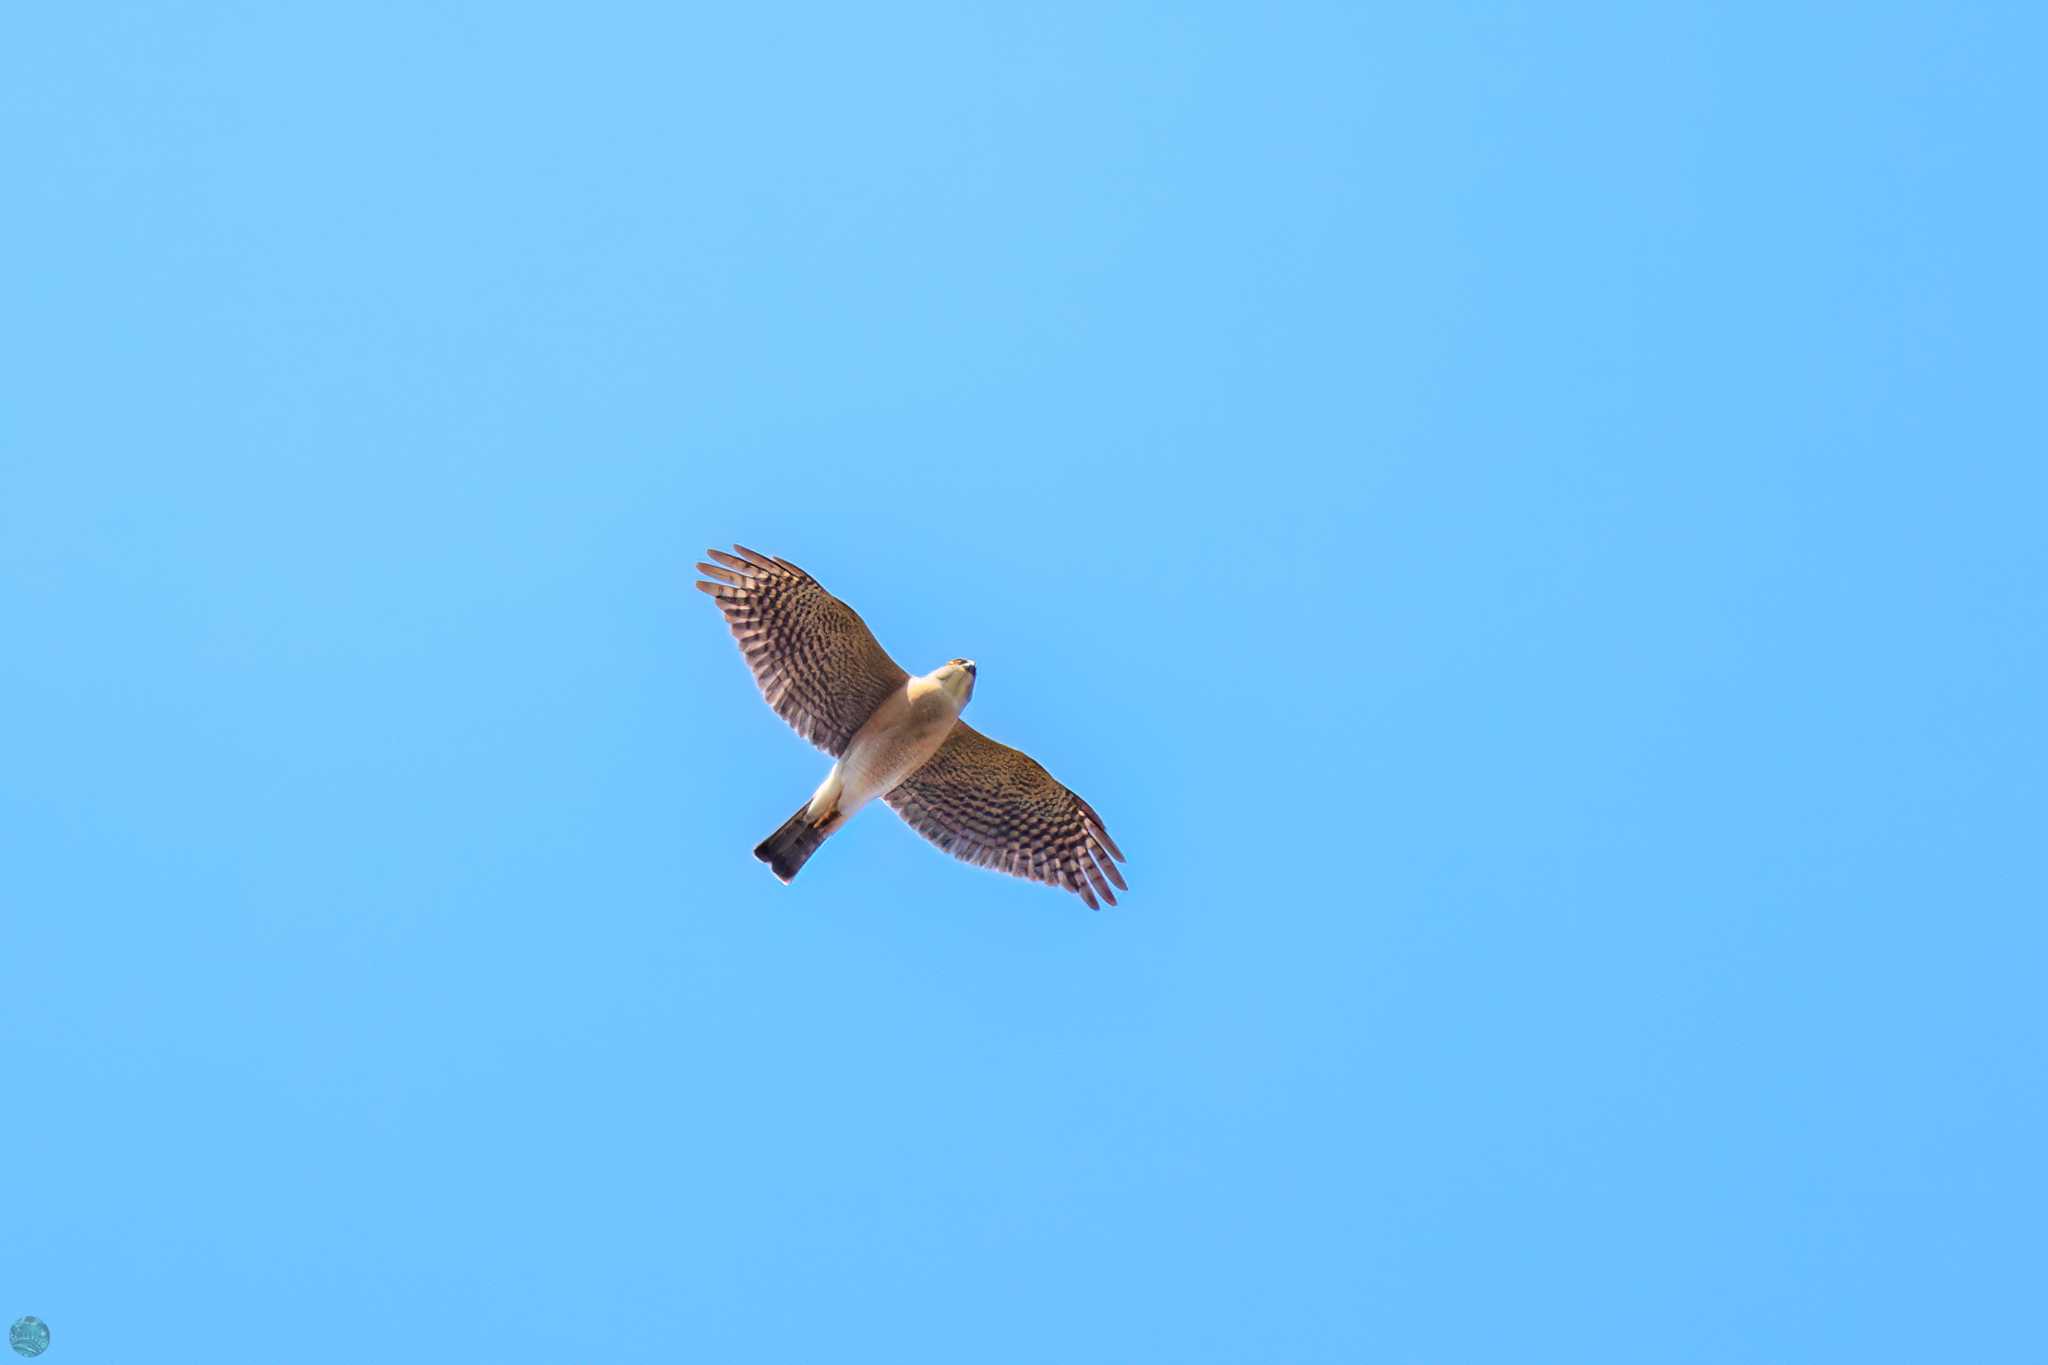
(789, 848)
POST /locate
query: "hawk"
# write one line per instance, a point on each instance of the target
(899, 738)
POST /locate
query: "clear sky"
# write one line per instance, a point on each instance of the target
(1527, 521)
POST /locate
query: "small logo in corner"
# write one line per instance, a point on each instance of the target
(29, 1337)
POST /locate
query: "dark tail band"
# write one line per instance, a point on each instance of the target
(789, 848)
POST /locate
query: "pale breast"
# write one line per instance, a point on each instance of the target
(906, 729)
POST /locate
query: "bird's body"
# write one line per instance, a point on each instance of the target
(899, 738)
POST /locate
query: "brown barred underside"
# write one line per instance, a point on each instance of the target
(995, 806)
(815, 660)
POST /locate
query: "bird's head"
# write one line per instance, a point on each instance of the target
(957, 677)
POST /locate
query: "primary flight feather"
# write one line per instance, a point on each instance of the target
(899, 738)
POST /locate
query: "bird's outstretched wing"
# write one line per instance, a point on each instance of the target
(990, 804)
(816, 661)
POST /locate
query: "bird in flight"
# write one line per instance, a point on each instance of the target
(899, 738)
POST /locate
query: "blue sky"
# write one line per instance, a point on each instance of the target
(1525, 520)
